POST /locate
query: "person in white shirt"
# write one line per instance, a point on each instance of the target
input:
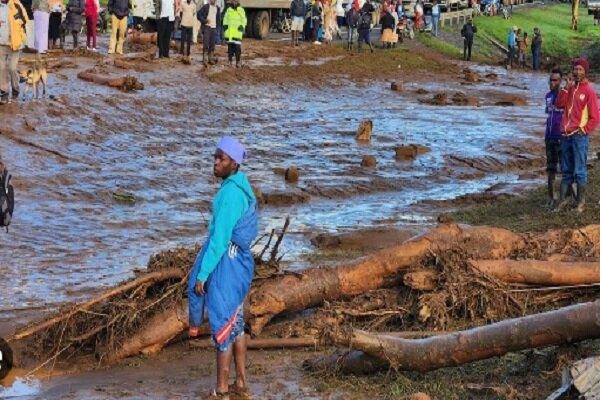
(435, 18)
(11, 23)
(165, 13)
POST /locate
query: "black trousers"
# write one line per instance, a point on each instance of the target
(209, 37)
(186, 39)
(165, 28)
(234, 49)
(467, 48)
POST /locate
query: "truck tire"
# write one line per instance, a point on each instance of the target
(261, 25)
(250, 24)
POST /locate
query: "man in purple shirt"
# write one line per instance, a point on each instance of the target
(553, 134)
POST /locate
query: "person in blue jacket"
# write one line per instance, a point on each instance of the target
(553, 133)
(222, 273)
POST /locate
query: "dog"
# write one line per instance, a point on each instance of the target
(35, 76)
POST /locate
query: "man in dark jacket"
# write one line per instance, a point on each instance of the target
(536, 49)
(468, 32)
(365, 18)
(119, 11)
(387, 22)
(298, 12)
(209, 16)
(75, 9)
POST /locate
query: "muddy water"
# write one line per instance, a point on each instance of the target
(71, 236)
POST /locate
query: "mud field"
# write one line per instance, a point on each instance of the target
(105, 178)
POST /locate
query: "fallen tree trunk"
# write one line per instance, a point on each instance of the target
(535, 272)
(142, 37)
(155, 333)
(298, 292)
(125, 83)
(151, 277)
(566, 325)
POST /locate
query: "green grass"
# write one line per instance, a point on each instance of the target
(554, 21)
(436, 44)
(527, 213)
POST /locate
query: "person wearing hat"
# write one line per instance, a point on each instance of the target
(580, 118)
(223, 270)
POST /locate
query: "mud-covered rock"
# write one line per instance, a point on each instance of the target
(421, 91)
(471, 76)
(511, 100)
(460, 98)
(365, 130)
(368, 161)
(438, 99)
(396, 87)
(410, 152)
(285, 198)
(292, 174)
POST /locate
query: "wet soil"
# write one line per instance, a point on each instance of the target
(73, 157)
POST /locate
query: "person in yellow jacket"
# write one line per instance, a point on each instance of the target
(13, 19)
(234, 24)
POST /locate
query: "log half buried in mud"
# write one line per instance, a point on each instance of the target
(156, 333)
(566, 325)
(535, 272)
(292, 293)
(142, 37)
(124, 83)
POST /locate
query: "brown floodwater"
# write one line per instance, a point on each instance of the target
(71, 236)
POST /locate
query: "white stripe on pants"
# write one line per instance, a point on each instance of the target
(8, 69)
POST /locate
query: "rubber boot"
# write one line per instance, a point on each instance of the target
(564, 193)
(580, 197)
(551, 194)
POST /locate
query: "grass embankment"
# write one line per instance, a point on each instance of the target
(528, 212)
(560, 43)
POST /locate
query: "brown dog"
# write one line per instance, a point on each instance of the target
(35, 76)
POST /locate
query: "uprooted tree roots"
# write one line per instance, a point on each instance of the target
(444, 293)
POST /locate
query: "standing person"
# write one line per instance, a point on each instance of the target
(41, 16)
(165, 14)
(316, 18)
(522, 44)
(75, 10)
(56, 10)
(388, 28)
(581, 117)
(553, 133)
(92, 8)
(352, 17)
(13, 37)
(119, 13)
(419, 15)
(468, 32)
(234, 24)
(536, 49)
(297, 11)
(511, 44)
(340, 13)
(435, 18)
(222, 273)
(209, 15)
(188, 18)
(365, 19)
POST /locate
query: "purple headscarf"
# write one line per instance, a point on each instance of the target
(233, 148)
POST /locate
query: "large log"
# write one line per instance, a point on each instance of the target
(535, 272)
(566, 325)
(125, 83)
(142, 37)
(291, 293)
(155, 333)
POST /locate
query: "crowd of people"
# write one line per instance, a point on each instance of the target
(517, 42)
